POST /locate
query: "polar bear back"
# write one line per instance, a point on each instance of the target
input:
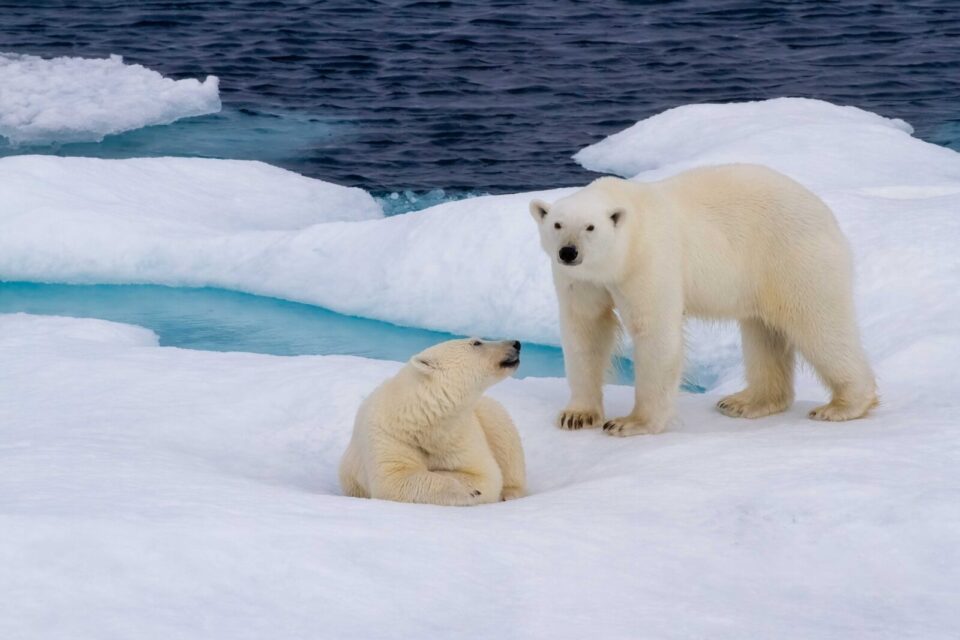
(749, 233)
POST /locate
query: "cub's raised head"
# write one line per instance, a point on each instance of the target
(467, 366)
(582, 233)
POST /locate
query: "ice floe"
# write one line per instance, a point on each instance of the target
(44, 100)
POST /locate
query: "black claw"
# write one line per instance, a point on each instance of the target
(474, 493)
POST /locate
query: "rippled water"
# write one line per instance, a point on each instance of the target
(477, 96)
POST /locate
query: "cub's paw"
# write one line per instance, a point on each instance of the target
(629, 426)
(512, 493)
(745, 405)
(466, 498)
(574, 419)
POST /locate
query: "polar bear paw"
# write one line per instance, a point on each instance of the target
(574, 419)
(747, 405)
(466, 498)
(633, 426)
(840, 410)
(511, 493)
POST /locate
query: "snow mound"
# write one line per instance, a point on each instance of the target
(54, 333)
(153, 492)
(94, 203)
(84, 99)
(822, 145)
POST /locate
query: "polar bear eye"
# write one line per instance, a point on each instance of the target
(589, 227)
(557, 225)
(476, 343)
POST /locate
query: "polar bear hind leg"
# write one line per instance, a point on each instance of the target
(349, 470)
(769, 362)
(412, 482)
(833, 348)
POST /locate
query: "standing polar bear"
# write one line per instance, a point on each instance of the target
(739, 242)
(429, 435)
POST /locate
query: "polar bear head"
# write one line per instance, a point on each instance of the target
(472, 360)
(583, 232)
(461, 370)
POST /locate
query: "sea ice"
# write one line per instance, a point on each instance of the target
(150, 492)
(84, 99)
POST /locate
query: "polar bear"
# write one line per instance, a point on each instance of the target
(429, 435)
(739, 242)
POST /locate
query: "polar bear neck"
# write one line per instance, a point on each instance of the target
(433, 401)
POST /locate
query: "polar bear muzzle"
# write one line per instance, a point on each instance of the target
(512, 358)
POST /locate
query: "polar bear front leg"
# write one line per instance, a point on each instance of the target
(504, 443)
(588, 329)
(658, 364)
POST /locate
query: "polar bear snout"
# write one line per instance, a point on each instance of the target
(511, 359)
(569, 255)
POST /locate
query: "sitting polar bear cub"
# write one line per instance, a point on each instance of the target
(738, 242)
(429, 435)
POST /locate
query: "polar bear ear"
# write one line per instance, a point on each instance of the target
(424, 365)
(539, 209)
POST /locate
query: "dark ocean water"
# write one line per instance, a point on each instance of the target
(474, 96)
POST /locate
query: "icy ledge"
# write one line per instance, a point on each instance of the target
(84, 99)
(150, 492)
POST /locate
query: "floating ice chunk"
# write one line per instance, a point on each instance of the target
(84, 99)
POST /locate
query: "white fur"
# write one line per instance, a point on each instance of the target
(429, 435)
(739, 242)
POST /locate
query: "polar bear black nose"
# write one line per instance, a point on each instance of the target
(568, 253)
(516, 345)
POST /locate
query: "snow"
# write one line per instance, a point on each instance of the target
(474, 266)
(97, 204)
(787, 134)
(84, 99)
(154, 492)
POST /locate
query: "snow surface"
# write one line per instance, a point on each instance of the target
(475, 266)
(84, 99)
(151, 492)
(113, 207)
